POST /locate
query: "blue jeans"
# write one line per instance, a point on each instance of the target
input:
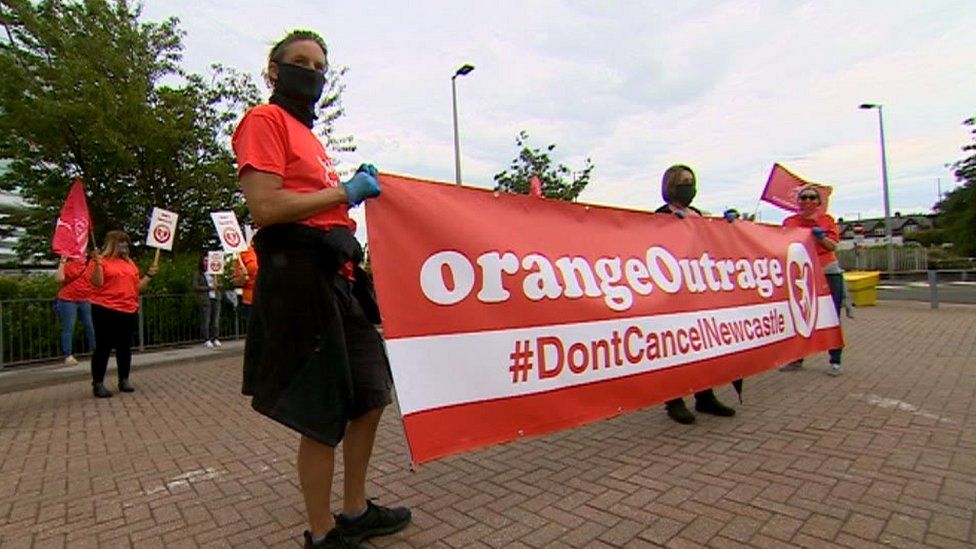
(68, 311)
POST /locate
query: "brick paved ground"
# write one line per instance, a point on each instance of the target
(882, 456)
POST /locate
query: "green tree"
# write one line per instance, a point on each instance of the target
(558, 181)
(88, 90)
(957, 211)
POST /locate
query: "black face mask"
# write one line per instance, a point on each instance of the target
(682, 195)
(297, 90)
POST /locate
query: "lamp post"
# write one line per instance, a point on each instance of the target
(884, 184)
(465, 69)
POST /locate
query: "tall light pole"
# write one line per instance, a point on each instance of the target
(884, 184)
(465, 69)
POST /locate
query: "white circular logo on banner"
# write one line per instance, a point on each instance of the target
(802, 289)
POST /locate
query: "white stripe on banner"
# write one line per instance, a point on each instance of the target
(476, 366)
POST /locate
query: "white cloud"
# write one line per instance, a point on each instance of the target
(727, 87)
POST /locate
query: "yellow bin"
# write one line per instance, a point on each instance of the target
(863, 287)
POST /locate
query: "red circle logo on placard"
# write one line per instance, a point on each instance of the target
(216, 266)
(232, 238)
(161, 234)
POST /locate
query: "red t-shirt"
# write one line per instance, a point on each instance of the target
(825, 222)
(120, 289)
(76, 285)
(270, 140)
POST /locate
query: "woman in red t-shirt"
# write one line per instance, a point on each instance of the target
(313, 361)
(115, 303)
(824, 230)
(74, 301)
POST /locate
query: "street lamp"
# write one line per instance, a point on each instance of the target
(884, 183)
(465, 69)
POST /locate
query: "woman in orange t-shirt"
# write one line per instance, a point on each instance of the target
(115, 303)
(74, 302)
(824, 230)
(313, 360)
(245, 275)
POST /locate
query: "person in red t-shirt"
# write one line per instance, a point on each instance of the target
(824, 230)
(115, 302)
(678, 188)
(313, 361)
(245, 275)
(74, 301)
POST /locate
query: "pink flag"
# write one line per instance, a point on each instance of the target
(783, 186)
(535, 187)
(74, 224)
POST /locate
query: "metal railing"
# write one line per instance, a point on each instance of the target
(30, 330)
(907, 259)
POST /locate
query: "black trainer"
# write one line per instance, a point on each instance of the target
(376, 521)
(706, 403)
(99, 390)
(125, 386)
(333, 540)
(679, 412)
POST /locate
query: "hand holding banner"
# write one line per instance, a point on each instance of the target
(229, 232)
(162, 229)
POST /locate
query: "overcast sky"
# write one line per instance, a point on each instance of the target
(726, 87)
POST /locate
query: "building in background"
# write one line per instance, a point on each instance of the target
(871, 232)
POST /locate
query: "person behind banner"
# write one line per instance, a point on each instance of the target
(115, 302)
(245, 275)
(678, 188)
(824, 230)
(313, 361)
(207, 288)
(74, 302)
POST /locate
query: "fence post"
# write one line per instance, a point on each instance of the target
(934, 289)
(142, 341)
(1, 334)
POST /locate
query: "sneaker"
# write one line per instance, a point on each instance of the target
(70, 360)
(375, 521)
(217, 343)
(125, 386)
(333, 540)
(208, 344)
(835, 370)
(679, 412)
(792, 366)
(99, 390)
(708, 404)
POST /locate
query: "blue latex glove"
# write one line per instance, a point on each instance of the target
(368, 168)
(360, 187)
(818, 233)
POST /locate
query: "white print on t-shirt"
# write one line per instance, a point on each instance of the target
(329, 173)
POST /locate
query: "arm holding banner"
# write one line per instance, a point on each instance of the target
(271, 204)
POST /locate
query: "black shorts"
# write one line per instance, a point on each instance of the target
(313, 359)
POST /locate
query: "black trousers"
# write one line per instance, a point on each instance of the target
(113, 330)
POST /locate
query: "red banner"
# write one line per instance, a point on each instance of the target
(507, 316)
(74, 224)
(782, 188)
(535, 186)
